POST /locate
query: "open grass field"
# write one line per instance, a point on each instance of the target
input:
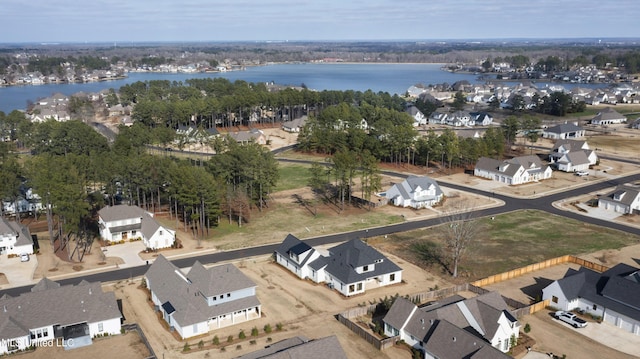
(292, 176)
(511, 241)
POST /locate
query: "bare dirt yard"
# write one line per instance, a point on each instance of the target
(302, 307)
(128, 346)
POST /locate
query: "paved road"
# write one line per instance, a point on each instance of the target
(542, 203)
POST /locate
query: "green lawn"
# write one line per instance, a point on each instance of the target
(518, 239)
(292, 176)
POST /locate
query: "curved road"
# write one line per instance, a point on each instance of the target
(542, 203)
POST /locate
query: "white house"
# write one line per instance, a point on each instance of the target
(481, 118)
(612, 295)
(564, 131)
(424, 327)
(415, 192)
(572, 155)
(419, 118)
(624, 199)
(70, 315)
(518, 170)
(202, 299)
(294, 125)
(295, 255)
(350, 268)
(437, 118)
(608, 116)
(123, 222)
(15, 238)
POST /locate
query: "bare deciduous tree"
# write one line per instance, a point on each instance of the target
(459, 230)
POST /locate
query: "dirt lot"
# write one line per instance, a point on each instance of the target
(127, 346)
(304, 308)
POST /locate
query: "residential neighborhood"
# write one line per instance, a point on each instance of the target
(230, 219)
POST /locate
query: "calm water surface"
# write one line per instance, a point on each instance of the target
(392, 78)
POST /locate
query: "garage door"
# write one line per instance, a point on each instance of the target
(611, 319)
(626, 325)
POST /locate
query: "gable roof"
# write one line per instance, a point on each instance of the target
(121, 212)
(301, 348)
(346, 257)
(575, 158)
(630, 194)
(570, 145)
(447, 341)
(181, 292)
(616, 289)
(564, 128)
(13, 228)
(84, 302)
(609, 114)
(411, 183)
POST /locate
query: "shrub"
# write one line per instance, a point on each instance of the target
(238, 347)
(223, 349)
(216, 340)
(279, 326)
(269, 340)
(242, 335)
(230, 339)
(252, 342)
(186, 347)
(267, 328)
(254, 332)
(122, 330)
(201, 344)
(527, 328)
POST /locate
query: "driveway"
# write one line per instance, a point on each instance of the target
(128, 252)
(613, 337)
(18, 273)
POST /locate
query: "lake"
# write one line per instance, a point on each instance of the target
(392, 78)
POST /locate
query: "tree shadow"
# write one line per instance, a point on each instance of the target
(431, 253)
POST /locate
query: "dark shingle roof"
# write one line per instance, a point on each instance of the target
(300, 348)
(346, 257)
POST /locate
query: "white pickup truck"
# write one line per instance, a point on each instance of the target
(570, 318)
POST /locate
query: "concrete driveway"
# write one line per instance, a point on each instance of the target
(128, 252)
(607, 334)
(18, 273)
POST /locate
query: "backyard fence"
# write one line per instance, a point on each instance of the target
(538, 266)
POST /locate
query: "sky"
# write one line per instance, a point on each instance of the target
(296, 20)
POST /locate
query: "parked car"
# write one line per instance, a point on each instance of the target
(570, 318)
(24, 257)
(582, 173)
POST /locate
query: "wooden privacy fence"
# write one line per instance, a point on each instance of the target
(538, 266)
(380, 344)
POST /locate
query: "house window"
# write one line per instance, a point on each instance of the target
(45, 332)
(351, 288)
(133, 232)
(100, 327)
(195, 328)
(228, 295)
(595, 307)
(392, 277)
(13, 345)
(365, 268)
(359, 286)
(554, 299)
(160, 232)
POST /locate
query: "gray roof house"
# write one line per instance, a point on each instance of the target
(124, 222)
(300, 348)
(624, 199)
(15, 238)
(518, 170)
(608, 116)
(564, 131)
(295, 125)
(296, 255)
(350, 268)
(572, 155)
(613, 295)
(202, 299)
(415, 192)
(70, 314)
(454, 327)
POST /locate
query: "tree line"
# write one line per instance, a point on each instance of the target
(76, 171)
